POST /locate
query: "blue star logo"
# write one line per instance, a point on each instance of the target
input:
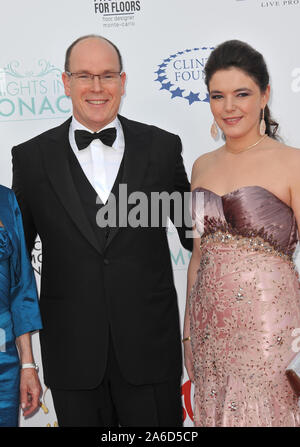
(177, 92)
(206, 99)
(192, 97)
(166, 86)
(160, 71)
(163, 76)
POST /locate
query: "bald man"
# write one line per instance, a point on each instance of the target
(111, 346)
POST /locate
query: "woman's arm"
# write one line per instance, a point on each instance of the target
(25, 312)
(293, 171)
(30, 388)
(197, 211)
(191, 279)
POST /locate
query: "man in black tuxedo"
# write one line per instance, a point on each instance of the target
(110, 345)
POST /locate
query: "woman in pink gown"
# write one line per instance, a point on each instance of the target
(243, 300)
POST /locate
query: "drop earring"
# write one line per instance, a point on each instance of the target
(214, 130)
(262, 124)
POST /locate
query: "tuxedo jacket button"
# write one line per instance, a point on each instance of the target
(106, 261)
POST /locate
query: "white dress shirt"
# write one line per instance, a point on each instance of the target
(100, 163)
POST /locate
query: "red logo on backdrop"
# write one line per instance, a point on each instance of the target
(186, 393)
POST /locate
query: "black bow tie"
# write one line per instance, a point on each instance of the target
(83, 138)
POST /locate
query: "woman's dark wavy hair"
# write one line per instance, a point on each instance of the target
(234, 53)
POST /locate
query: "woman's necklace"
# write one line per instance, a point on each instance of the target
(246, 149)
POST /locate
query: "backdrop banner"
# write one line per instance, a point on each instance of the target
(165, 45)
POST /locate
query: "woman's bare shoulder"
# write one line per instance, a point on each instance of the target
(285, 161)
(202, 164)
(291, 151)
(207, 158)
(277, 152)
(289, 155)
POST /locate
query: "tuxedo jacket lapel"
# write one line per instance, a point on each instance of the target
(136, 157)
(54, 152)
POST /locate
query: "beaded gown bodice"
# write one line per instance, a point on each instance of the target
(249, 211)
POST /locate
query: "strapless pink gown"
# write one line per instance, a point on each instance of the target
(244, 305)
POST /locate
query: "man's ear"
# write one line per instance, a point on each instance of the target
(66, 81)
